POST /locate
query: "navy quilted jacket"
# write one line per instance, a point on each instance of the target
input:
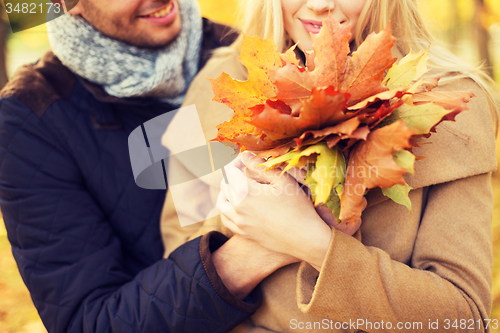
(85, 237)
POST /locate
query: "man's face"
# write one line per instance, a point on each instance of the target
(144, 23)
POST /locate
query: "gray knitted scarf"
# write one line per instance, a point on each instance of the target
(128, 71)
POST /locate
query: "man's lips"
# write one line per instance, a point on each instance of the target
(312, 27)
(164, 15)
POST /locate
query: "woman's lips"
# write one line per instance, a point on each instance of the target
(312, 27)
(163, 16)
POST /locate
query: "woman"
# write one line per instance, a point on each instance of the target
(429, 269)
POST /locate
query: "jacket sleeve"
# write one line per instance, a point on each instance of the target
(71, 259)
(448, 278)
(174, 235)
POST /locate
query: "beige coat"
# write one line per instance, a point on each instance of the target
(431, 264)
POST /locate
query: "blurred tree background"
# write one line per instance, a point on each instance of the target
(470, 28)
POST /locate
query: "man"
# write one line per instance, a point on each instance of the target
(85, 237)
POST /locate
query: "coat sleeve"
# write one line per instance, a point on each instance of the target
(448, 279)
(173, 234)
(71, 259)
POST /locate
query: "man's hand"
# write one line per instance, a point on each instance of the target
(242, 264)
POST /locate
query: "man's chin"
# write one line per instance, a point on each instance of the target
(157, 36)
(150, 39)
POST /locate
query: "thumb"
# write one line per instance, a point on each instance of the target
(250, 160)
(258, 173)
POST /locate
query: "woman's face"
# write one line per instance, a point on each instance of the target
(304, 17)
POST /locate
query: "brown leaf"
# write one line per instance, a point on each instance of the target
(383, 96)
(360, 134)
(424, 85)
(293, 84)
(325, 107)
(278, 151)
(450, 100)
(385, 110)
(454, 101)
(346, 128)
(310, 56)
(371, 164)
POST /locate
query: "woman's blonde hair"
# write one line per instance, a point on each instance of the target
(264, 18)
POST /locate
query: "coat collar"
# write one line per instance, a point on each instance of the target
(459, 149)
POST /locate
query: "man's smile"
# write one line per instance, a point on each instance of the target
(164, 15)
(162, 11)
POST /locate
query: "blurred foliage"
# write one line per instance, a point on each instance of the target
(495, 313)
(17, 313)
(451, 20)
(222, 11)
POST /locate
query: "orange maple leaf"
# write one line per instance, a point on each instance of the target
(261, 58)
(331, 49)
(365, 69)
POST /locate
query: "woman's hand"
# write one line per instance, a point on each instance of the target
(276, 213)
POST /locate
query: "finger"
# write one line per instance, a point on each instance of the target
(255, 175)
(274, 176)
(228, 215)
(298, 174)
(251, 161)
(237, 183)
(238, 162)
(223, 204)
(246, 155)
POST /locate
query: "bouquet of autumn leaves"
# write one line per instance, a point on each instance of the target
(350, 120)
